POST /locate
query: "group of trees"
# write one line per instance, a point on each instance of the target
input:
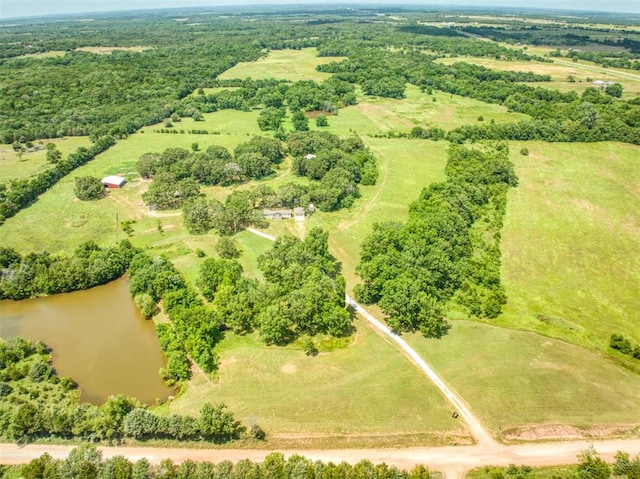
(448, 251)
(88, 188)
(335, 167)
(177, 173)
(275, 96)
(590, 466)
(338, 165)
(85, 462)
(43, 273)
(194, 330)
(302, 294)
(237, 212)
(20, 193)
(625, 346)
(36, 402)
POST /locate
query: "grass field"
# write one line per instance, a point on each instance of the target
(513, 380)
(571, 242)
(293, 65)
(16, 166)
(366, 390)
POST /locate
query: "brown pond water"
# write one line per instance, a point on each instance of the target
(98, 338)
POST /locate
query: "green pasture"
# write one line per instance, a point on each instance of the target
(293, 65)
(406, 167)
(514, 379)
(366, 389)
(380, 115)
(571, 242)
(15, 165)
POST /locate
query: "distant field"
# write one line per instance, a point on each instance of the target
(50, 54)
(366, 390)
(16, 166)
(560, 70)
(109, 50)
(514, 380)
(291, 65)
(97, 50)
(441, 109)
(571, 242)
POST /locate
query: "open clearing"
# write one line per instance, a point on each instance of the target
(293, 65)
(366, 390)
(560, 70)
(17, 166)
(570, 243)
(514, 380)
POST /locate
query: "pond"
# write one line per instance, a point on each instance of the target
(98, 338)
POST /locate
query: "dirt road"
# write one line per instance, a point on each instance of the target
(477, 430)
(452, 460)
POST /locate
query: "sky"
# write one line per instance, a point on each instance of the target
(26, 8)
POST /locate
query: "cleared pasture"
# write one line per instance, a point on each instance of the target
(293, 65)
(570, 242)
(517, 382)
(444, 110)
(15, 165)
(364, 393)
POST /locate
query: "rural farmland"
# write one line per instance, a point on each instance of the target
(469, 181)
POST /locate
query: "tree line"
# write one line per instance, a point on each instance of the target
(86, 462)
(448, 252)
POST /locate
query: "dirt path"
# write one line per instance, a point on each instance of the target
(454, 461)
(385, 174)
(478, 431)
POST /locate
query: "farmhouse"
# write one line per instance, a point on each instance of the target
(283, 214)
(113, 181)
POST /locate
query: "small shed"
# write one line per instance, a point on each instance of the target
(277, 214)
(309, 156)
(113, 181)
(298, 213)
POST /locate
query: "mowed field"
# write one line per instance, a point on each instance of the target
(364, 394)
(14, 165)
(293, 65)
(525, 386)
